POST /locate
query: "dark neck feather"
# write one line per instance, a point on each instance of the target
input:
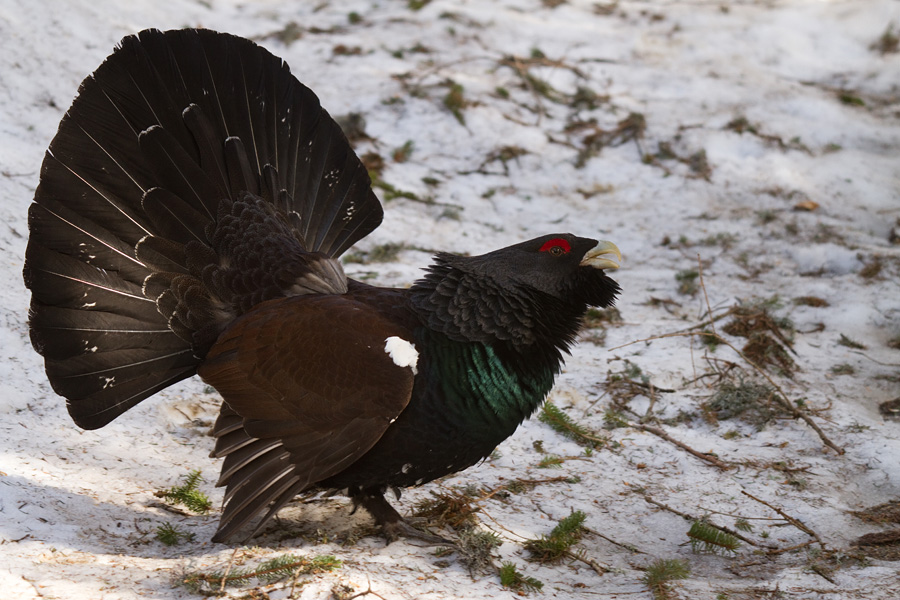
(471, 306)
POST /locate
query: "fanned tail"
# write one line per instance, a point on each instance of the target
(185, 153)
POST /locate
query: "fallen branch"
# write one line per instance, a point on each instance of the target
(788, 518)
(727, 530)
(660, 433)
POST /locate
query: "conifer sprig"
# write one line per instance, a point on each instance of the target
(706, 537)
(557, 545)
(562, 423)
(172, 535)
(188, 494)
(659, 575)
(267, 572)
(511, 578)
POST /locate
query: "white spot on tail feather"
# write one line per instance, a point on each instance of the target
(403, 353)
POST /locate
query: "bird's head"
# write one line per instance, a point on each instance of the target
(525, 292)
(561, 265)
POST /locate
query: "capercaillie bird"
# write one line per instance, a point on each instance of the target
(189, 218)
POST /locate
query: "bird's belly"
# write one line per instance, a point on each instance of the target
(409, 455)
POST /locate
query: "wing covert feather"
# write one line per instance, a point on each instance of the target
(313, 372)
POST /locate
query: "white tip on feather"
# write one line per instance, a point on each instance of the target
(403, 353)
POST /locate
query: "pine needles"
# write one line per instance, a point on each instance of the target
(188, 494)
(753, 402)
(550, 548)
(172, 535)
(475, 547)
(511, 577)
(659, 575)
(706, 537)
(768, 337)
(556, 546)
(267, 572)
(562, 423)
(454, 508)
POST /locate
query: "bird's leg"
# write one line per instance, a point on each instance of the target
(392, 524)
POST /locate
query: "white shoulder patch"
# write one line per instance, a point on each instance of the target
(403, 353)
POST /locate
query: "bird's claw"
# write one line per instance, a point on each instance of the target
(396, 529)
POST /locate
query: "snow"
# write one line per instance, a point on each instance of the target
(402, 352)
(78, 512)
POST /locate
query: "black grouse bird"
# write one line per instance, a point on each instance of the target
(189, 218)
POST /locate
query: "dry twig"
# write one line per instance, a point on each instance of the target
(727, 530)
(702, 456)
(788, 518)
(781, 397)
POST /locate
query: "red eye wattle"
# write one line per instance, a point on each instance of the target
(556, 246)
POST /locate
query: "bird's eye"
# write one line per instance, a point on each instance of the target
(556, 247)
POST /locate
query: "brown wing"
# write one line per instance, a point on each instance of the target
(309, 388)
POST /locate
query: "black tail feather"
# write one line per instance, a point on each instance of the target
(174, 219)
(259, 476)
(95, 330)
(75, 234)
(178, 172)
(166, 134)
(97, 403)
(65, 281)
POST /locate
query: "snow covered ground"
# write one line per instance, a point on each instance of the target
(760, 137)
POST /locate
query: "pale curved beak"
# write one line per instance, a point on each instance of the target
(595, 256)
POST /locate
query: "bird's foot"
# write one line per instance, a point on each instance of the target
(396, 529)
(393, 526)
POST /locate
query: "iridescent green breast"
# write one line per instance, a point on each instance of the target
(489, 391)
